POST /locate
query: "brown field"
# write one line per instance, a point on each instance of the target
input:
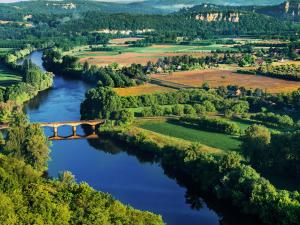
(142, 89)
(219, 77)
(3, 22)
(126, 59)
(121, 41)
(292, 62)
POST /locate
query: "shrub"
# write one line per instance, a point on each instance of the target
(212, 124)
(209, 106)
(274, 119)
(124, 116)
(200, 109)
(189, 110)
(146, 112)
(157, 110)
(178, 110)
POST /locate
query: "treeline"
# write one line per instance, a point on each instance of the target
(28, 196)
(227, 177)
(111, 76)
(177, 110)
(212, 124)
(102, 49)
(188, 62)
(277, 154)
(179, 24)
(184, 63)
(210, 100)
(289, 101)
(101, 102)
(285, 103)
(140, 43)
(286, 72)
(42, 36)
(273, 119)
(33, 79)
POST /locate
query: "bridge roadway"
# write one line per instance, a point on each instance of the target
(72, 123)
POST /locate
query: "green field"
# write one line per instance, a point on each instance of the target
(86, 52)
(4, 51)
(211, 139)
(7, 77)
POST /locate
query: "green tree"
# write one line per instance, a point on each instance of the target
(125, 116)
(29, 143)
(255, 143)
(7, 211)
(101, 103)
(178, 110)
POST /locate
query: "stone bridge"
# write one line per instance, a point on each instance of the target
(73, 124)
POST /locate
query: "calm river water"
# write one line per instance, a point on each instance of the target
(107, 168)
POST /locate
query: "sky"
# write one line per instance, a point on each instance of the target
(8, 1)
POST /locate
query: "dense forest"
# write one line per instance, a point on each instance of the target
(53, 27)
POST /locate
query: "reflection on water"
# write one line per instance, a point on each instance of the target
(133, 180)
(131, 176)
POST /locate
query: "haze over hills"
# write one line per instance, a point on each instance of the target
(175, 4)
(277, 8)
(74, 6)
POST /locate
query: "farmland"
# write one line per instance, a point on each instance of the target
(222, 77)
(4, 51)
(142, 89)
(211, 139)
(7, 77)
(125, 55)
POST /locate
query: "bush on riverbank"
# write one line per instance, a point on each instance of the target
(33, 79)
(276, 153)
(54, 61)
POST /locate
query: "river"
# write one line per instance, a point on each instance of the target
(107, 168)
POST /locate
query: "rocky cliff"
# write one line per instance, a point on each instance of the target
(287, 10)
(219, 16)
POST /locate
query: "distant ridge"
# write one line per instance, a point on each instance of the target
(287, 10)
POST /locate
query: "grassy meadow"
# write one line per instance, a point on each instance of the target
(4, 51)
(8, 77)
(211, 139)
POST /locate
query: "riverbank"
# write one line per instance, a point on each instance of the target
(225, 176)
(32, 79)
